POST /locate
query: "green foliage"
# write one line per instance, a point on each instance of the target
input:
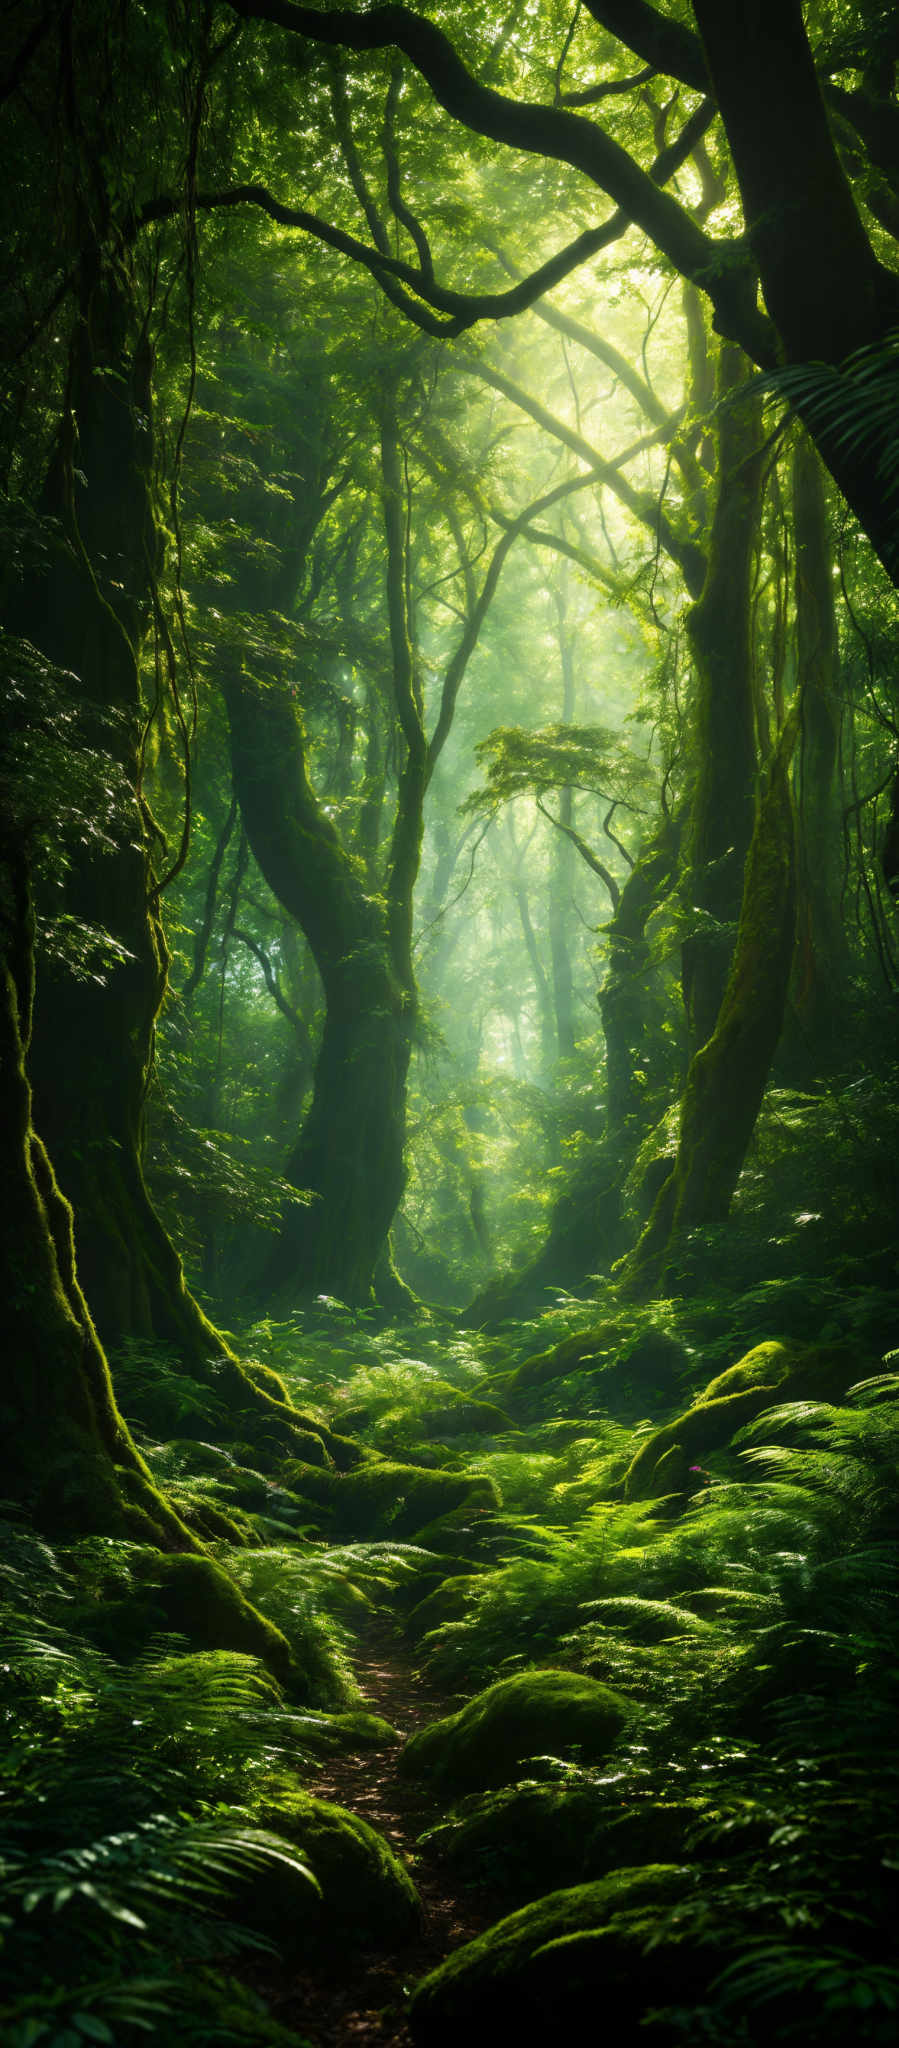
(853, 406)
(116, 1852)
(589, 758)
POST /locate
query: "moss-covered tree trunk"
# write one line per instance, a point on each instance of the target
(726, 1078)
(718, 628)
(629, 999)
(68, 1456)
(87, 607)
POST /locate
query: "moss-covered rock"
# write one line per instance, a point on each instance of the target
(525, 1840)
(198, 1600)
(532, 1714)
(367, 1899)
(770, 1373)
(568, 1356)
(559, 1967)
(464, 1417)
(446, 1602)
(385, 1499)
(353, 1731)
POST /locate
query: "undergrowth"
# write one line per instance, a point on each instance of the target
(753, 1623)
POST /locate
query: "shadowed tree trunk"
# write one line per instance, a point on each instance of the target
(350, 1150)
(87, 608)
(718, 628)
(68, 1455)
(823, 962)
(726, 1078)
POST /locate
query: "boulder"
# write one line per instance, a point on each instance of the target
(768, 1374)
(536, 1713)
(367, 1897)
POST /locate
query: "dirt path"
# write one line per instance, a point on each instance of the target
(360, 2001)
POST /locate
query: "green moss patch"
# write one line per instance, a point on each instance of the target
(383, 1499)
(766, 1365)
(446, 1602)
(367, 1895)
(769, 1373)
(535, 1713)
(198, 1600)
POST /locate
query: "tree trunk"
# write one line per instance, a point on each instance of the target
(726, 1078)
(823, 964)
(93, 1037)
(628, 1002)
(718, 627)
(92, 1049)
(349, 1154)
(825, 289)
(68, 1456)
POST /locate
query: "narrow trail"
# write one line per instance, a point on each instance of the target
(360, 1999)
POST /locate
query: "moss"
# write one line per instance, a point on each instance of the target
(310, 1482)
(527, 1839)
(702, 1429)
(462, 1417)
(645, 1365)
(266, 1380)
(199, 1601)
(367, 1895)
(534, 1713)
(546, 1973)
(353, 1731)
(181, 1454)
(446, 1602)
(565, 1357)
(766, 1365)
(215, 1526)
(385, 1499)
(771, 1372)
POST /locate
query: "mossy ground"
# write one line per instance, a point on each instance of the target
(611, 1645)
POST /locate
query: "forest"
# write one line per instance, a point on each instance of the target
(449, 1078)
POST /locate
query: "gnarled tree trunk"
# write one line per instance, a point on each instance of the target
(68, 1456)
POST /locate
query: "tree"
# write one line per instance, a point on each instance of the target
(828, 291)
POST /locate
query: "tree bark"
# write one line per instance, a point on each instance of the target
(726, 1078)
(349, 1153)
(68, 1456)
(92, 1048)
(718, 628)
(824, 287)
(823, 963)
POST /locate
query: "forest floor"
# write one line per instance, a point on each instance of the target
(358, 2000)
